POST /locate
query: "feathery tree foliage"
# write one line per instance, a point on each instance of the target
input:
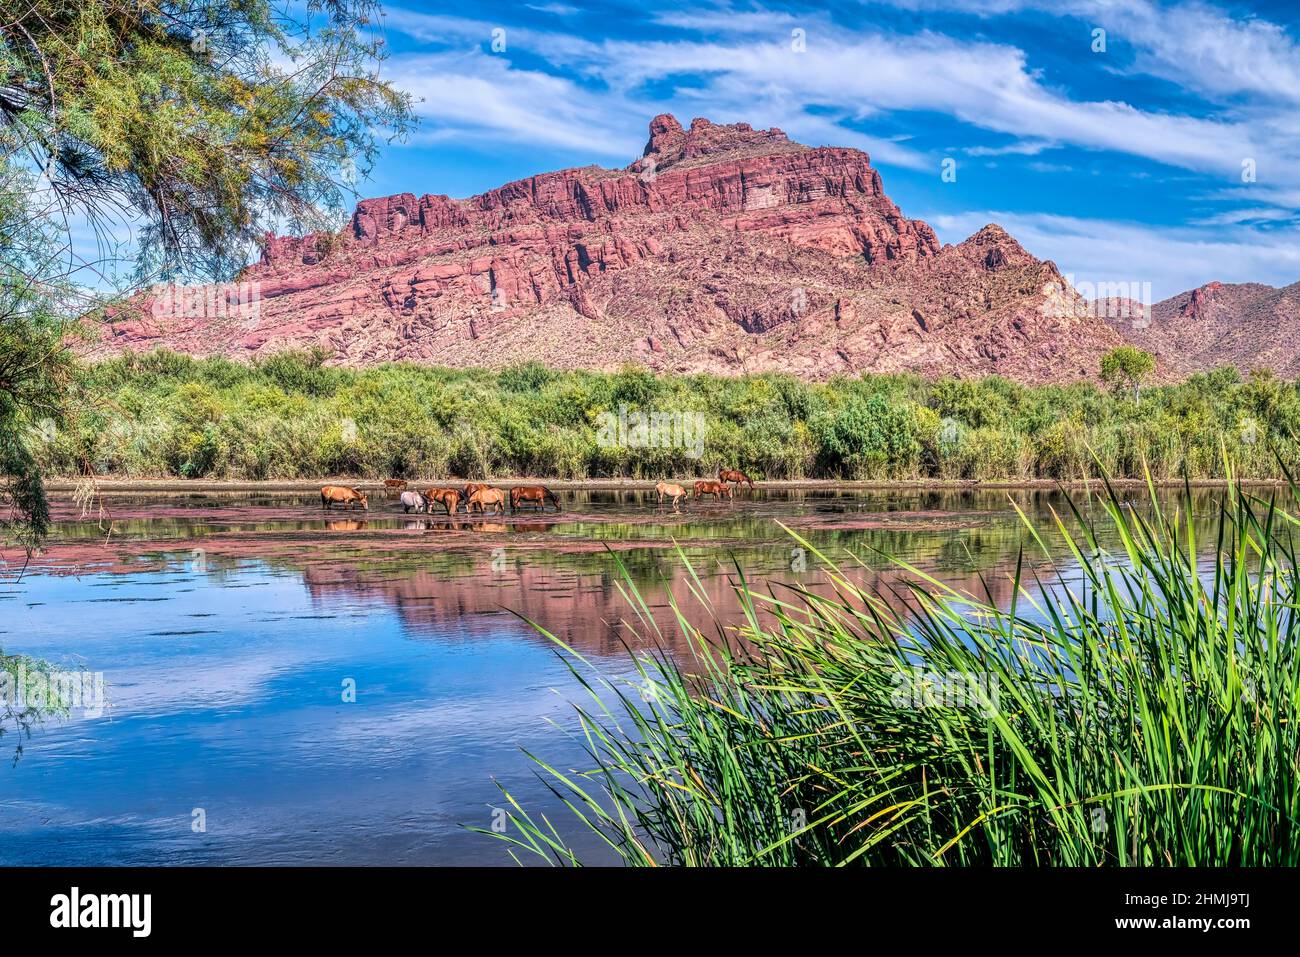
(196, 125)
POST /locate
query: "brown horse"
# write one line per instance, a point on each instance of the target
(538, 495)
(485, 496)
(669, 490)
(734, 475)
(705, 487)
(395, 483)
(332, 495)
(449, 497)
(470, 489)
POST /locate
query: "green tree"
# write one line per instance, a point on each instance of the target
(35, 367)
(1126, 367)
(873, 438)
(204, 124)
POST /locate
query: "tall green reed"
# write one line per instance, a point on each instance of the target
(1130, 706)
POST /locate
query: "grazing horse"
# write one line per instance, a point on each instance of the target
(487, 496)
(470, 489)
(414, 502)
(332, 495)
(537, 494)
(395, 483)
(669, 490)
(449, 497)
(705, 487)
(734, 475)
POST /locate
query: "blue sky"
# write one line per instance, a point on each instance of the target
(1128, 163)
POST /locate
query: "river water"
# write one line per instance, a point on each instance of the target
(282, 686)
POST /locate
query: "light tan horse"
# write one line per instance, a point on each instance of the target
(669, 490)
(332, 495)
(487, 496)
(705, 487)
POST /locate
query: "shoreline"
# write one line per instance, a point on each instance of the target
(145, 486)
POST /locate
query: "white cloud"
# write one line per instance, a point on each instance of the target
(1198, 45)
(1018, 148)
(1206, 49)
(844, 77)
(1234, 217)
(475, 95)
(1284, 197)
(555, 9)
(985, 85)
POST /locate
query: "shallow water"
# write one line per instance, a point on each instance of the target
(228, 629)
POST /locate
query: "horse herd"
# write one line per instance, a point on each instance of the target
(477, 497)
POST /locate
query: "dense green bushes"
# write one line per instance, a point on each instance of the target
(291, 416)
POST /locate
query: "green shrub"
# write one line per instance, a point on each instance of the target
(288, 416)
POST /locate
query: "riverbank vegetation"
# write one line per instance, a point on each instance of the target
(1127, 709)
(291, 416)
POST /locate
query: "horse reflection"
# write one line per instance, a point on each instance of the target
(344, 525)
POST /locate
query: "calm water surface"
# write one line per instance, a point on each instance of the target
(228, 628)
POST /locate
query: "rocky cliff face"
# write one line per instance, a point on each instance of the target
(723, 249)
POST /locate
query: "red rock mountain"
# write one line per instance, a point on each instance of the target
(723, 249)
(1247, 325)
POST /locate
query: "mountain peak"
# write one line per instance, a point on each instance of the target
(670, 144)
(992, 233)
(995, 248)
(666, 135)
(1200, 297)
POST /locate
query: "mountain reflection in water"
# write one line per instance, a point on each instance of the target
(227, 625)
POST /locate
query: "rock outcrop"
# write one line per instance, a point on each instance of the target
(723, 249)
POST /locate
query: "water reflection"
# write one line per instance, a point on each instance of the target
(226, 626)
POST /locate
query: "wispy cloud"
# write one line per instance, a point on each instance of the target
(474, 96)
(753, 67)
(555, 9)
(1204, 48)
